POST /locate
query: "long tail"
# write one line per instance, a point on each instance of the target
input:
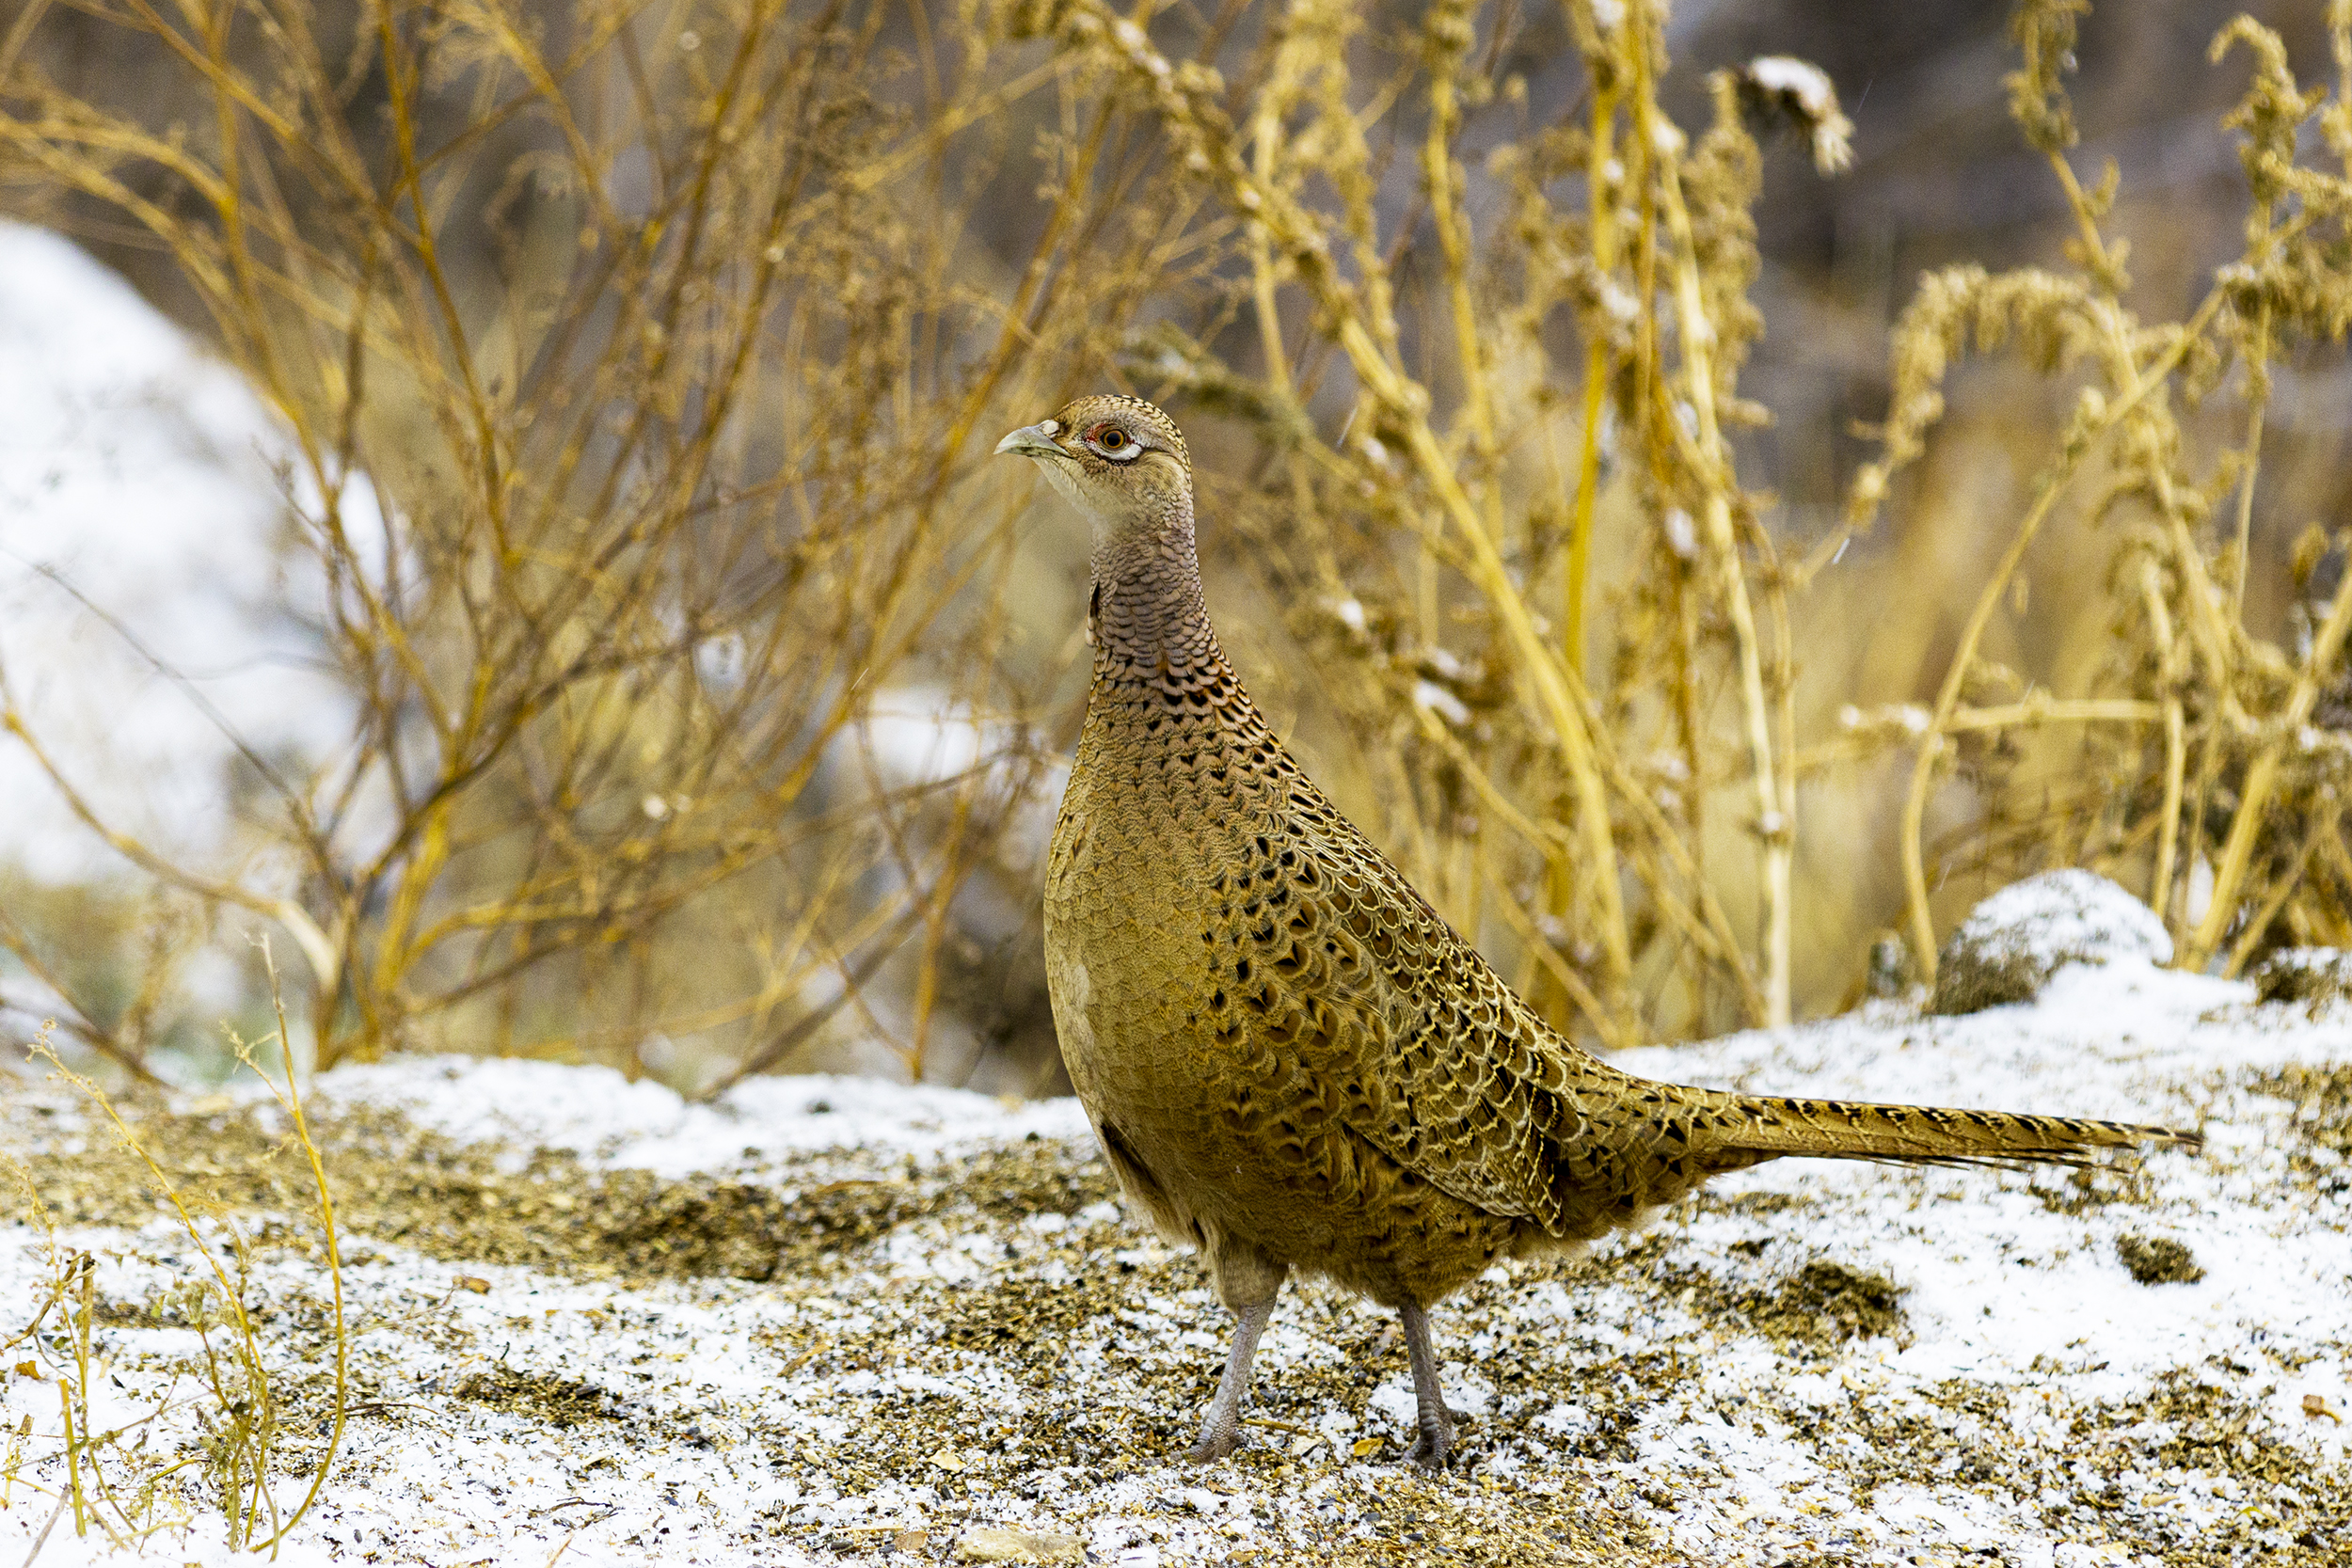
(1768, 1127)
(1627, 1145)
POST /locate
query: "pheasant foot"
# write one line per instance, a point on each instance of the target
(1220, 1428)
(1437, 1422)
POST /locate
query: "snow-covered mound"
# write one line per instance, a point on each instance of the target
(2014, 941)
(142, 510)
(826, 1319)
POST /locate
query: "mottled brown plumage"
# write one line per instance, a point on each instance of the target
(1292, 1061)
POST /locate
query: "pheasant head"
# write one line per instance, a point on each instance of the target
(1118, 460)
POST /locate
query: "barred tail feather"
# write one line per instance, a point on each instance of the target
(1929, 1134)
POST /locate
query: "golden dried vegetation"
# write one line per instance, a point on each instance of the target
(641, 361)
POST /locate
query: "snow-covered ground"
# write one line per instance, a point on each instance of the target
(827, 1318)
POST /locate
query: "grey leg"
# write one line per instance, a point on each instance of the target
(1437, 1421)
(1220, 1432)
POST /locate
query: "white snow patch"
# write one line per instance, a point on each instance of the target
(139, 484)
(2063, 917)
(1801, 80)
(609, 1121)
(1444, 703)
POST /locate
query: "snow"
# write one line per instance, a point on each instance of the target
(1806, 83)
(2013, 942)
(2065, 917)
(2037, 1404)
(645, 1126)
(1807, 90)
(140, 484)
(1438, 700)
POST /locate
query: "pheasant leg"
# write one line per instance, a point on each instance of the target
(1221, 1430)
(1437, 1421)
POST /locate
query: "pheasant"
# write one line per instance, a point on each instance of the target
(1292, 1062)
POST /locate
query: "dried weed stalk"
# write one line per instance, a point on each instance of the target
(111, 1480)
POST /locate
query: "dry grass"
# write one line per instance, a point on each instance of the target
(640, 362)
(619, 551)
(247, 1450)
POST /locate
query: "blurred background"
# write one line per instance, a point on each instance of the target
(495, 498)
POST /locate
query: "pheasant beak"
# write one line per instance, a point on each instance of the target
(1034, 440)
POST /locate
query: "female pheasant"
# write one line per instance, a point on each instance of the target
(1291, 1060)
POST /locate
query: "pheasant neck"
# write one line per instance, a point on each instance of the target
(1149, 617)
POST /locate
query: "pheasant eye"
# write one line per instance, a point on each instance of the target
(1113, 440)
